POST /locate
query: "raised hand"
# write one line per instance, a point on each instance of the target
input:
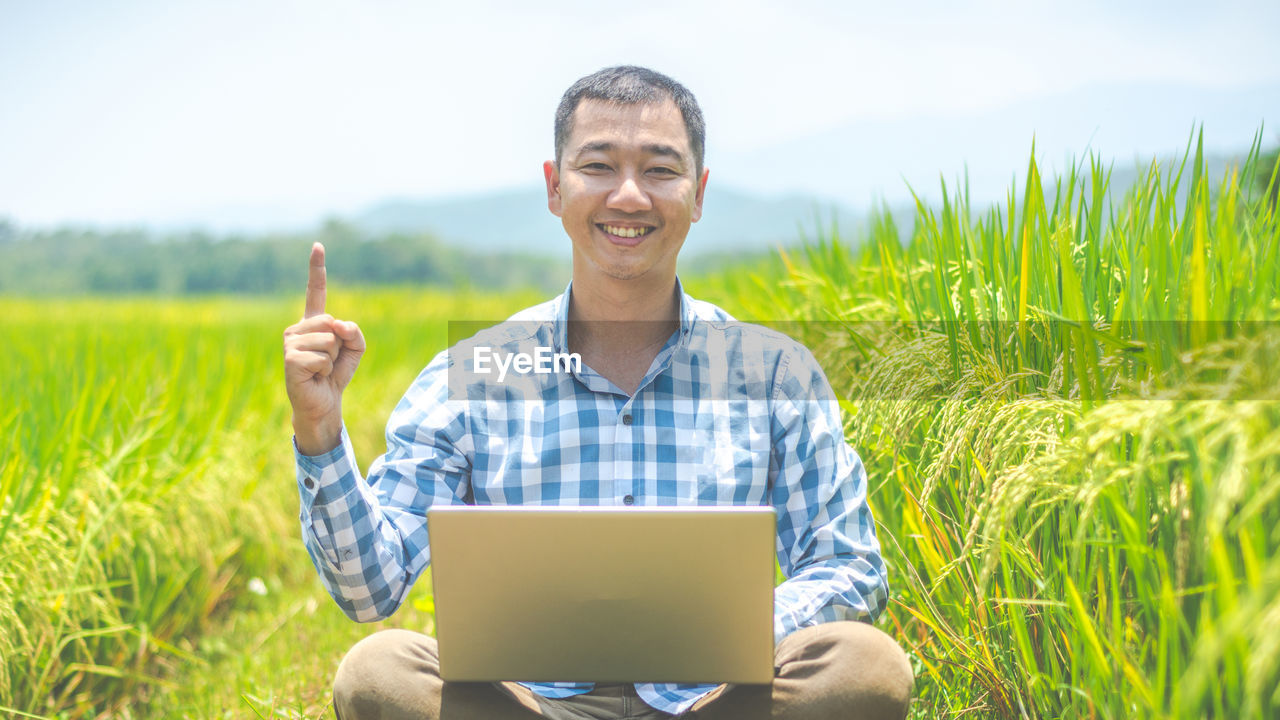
(321, 353)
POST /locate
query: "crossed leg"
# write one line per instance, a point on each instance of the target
(832, 671)
(829, 672)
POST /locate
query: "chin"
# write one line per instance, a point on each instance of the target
(621, 266)
(614, 267)
(625, 272)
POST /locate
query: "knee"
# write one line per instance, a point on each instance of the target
(870, 673)
(884, 672)
(367, 678)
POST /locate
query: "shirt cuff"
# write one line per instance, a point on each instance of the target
(793, 609)
(785, 621)
(328, 476)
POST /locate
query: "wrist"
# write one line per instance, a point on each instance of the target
(316, 439)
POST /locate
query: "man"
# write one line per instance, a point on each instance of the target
(673, 404)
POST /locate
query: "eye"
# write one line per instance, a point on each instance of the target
(662, 170)
(595, 167)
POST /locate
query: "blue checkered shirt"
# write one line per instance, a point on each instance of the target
(728, 413)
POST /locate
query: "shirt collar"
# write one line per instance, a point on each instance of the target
(561, 317)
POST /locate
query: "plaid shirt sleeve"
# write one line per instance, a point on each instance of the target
(827, 544)
(368, 540)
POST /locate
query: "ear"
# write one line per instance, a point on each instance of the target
(702, 191)
(552, 175)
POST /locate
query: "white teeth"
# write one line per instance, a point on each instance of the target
(626, 232)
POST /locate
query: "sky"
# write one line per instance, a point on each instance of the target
(271, 111)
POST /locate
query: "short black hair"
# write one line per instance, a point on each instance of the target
(630, 85)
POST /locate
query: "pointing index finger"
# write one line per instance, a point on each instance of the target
(315, 283)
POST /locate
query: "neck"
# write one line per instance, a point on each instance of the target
(623, 316)
(637, 300)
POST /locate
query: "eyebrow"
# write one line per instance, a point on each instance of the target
(652, 149)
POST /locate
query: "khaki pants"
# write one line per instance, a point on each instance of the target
(828, 672)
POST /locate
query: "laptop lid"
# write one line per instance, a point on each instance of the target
(589, 594)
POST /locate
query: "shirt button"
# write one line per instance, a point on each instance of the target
(311, 484)
(626, 419)
(628, 500)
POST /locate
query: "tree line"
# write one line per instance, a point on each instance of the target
(79, 261)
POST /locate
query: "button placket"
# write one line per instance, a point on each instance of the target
(624, 465)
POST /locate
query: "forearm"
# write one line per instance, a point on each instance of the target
(846, 588)
(827, 542)
(357, 550)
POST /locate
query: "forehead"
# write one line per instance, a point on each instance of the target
(633, 125)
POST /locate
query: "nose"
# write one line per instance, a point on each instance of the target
(628, 197)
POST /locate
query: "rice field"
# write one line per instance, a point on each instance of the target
(147, 480)
(1067, 405)
(1068, 408)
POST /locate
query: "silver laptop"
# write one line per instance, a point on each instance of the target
(588, 594)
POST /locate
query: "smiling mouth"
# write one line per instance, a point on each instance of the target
(625, 232)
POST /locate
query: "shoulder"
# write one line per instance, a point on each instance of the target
(736, 336)
(532, 324)
(542, 312)
(703, 310)
(765, 361)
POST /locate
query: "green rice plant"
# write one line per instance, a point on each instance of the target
(1067, 406)
(146, 476)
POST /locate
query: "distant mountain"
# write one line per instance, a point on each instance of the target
(518, 219)
(870, 158)
(764, 195)
(733, 221)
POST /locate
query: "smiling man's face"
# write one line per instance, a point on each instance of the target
(626, 189)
